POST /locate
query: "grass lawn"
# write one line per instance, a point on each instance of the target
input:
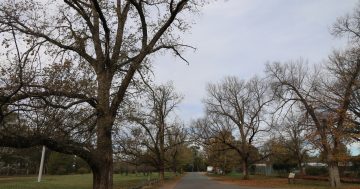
(72, 181)
(276, 182)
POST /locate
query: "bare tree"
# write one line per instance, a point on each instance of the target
(238, 107)
(92, 51)
(348, 26)
(153, 117)
(16, 72)
(355, 110)
(294, 133)
(178, 147)
(325, 102)
(128, 146)
(218, 154)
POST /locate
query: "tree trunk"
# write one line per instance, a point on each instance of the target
(333, 169)
(8, 170)
(103, 161)
(102, 177)
(162, 173)
(162, 152)
(301, 168)
(334, 176)
(245, 166)
(175, 170)
(161, 168)
(103, 169)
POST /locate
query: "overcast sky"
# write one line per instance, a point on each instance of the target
(237, 37)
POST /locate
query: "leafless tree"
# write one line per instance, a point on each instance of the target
(178, 144)
(153, 117)
(294, 130)
(92, 52)
(218, 154)
(324, 96)
(348, 26)
(355, 110)
(238, 107)
(16, 72)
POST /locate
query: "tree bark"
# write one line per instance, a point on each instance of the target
(162, 173)
(103, 176)
(162, 151)
(334, 175)
(301, 168)
(175, 171)
(175, 167)
(103, 162)
(245, 166)
(103, 169)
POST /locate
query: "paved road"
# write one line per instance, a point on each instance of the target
(200, 181)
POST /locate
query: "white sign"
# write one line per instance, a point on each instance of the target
(291, 175)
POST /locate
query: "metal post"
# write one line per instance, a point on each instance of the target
(41, 163)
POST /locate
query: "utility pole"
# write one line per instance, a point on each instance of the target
(41, 163)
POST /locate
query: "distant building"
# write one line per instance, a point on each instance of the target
(314, 164)
(262, 169)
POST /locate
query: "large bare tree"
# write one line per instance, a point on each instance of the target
(293, 134)
(349, 26)
(325, 96)
(90, 53)
(238, 107)
(178, 152)
(153, 121)
(16, 72)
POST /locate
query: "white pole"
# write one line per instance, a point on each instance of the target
(41, 163)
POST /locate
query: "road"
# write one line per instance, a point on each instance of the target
(200, 181)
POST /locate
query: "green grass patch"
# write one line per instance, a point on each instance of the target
(73, 181)
(235, 175)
